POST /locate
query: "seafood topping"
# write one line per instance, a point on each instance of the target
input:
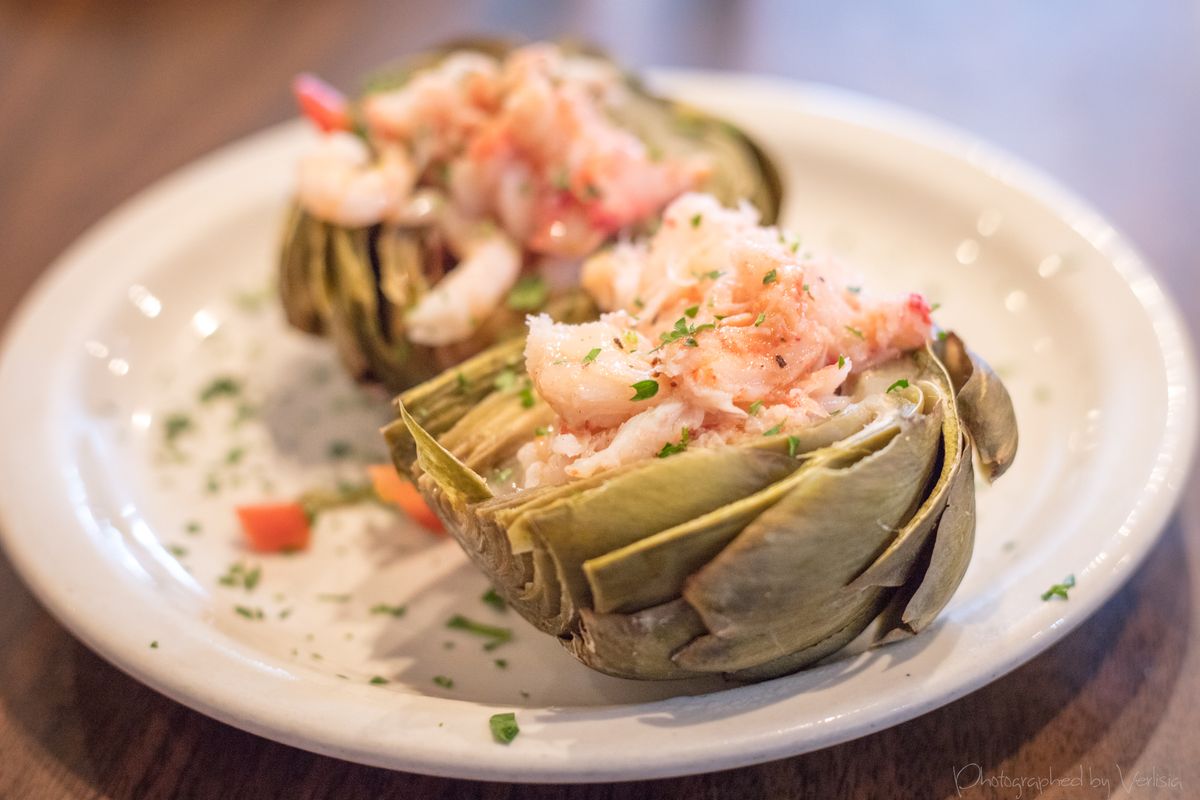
(716, 329)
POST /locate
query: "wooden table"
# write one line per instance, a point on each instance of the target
(97, 99)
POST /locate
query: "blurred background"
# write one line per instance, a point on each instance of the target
(99, 98)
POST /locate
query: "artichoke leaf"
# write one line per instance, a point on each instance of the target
(451, 475)
(294, 289)
(653, 570)
(984, 404)
(953, 543)
(637, 645)
(632, 505)
(781, 585)
(895, 565)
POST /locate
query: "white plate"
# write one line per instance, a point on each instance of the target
(144, 311)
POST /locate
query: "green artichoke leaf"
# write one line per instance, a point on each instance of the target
(294, 289)
(637, 645)
(632, 505)
(781, 585)
(984, 404)
(895, 565)
(653, 570)
(451, 475)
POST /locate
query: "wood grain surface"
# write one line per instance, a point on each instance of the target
(98, 99)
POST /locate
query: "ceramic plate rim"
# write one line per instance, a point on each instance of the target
(245, 710)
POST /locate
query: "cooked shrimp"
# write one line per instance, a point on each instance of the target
(739, 334)
(338, 181)
(459, 302)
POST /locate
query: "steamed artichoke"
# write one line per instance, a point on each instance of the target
(750, 560)
(355, 285)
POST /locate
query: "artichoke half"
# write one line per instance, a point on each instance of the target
(354, 285)
(752, 560)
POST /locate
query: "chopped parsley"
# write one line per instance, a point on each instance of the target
(770, 278)
(175, 425)
(249, 613)
(239, 575)
(1060, 589)
(841, 361)
(529, 294)
(340, 449)
(526, 395)
(682, 330)
(712, 275)
(793, 444)
(691, 311)
(154, 645)
(462, 383)
(541, 430)
(378, 680)
(495, 634)
(391, 611)
(334, 598)
(670, 448)
(193, 528)
(898, 385)
(502, 475)
(494, 600)
(504, 727)
(501, 663)
(443, 681)
(235, 455)
(754, 408)
(223, 386)
(591, 356)
(942, 335)
(853, 289)
(176, 550)
(644, 390)
(774, 430)
(760, 319)
(696, 220)
(808, 291)
(856, 332)
(934, 307)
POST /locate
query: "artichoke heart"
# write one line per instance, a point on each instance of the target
(751, 559)
(368, 278)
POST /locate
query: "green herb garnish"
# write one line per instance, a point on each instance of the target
(793, 443)
(670, 448)
(644, 390)
(443, 681)
(762, 316)
(1060, 589)
(175, 425)
(691, 311)
(235, 455)
(841, 361)
(774, 430)
(526, 395)
(497, 635)
(340, 449)
(853, 289)
(154, 645)
(506, 379)
(754, 408)
(494, 600)
(378, 680)
(391, 611)
(770, 278)
(541, 430)
(591, 356)
(856, 332)
(249, 613)
(334, 598)
(501, 663)
(529, 294)
(179, 551)
(504, 727)
(696, 220)
(898, 385)
(239, 575)
(223, 386)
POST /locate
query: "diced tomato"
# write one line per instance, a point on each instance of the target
(275, 527)
(325, 106)
(391, 488)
